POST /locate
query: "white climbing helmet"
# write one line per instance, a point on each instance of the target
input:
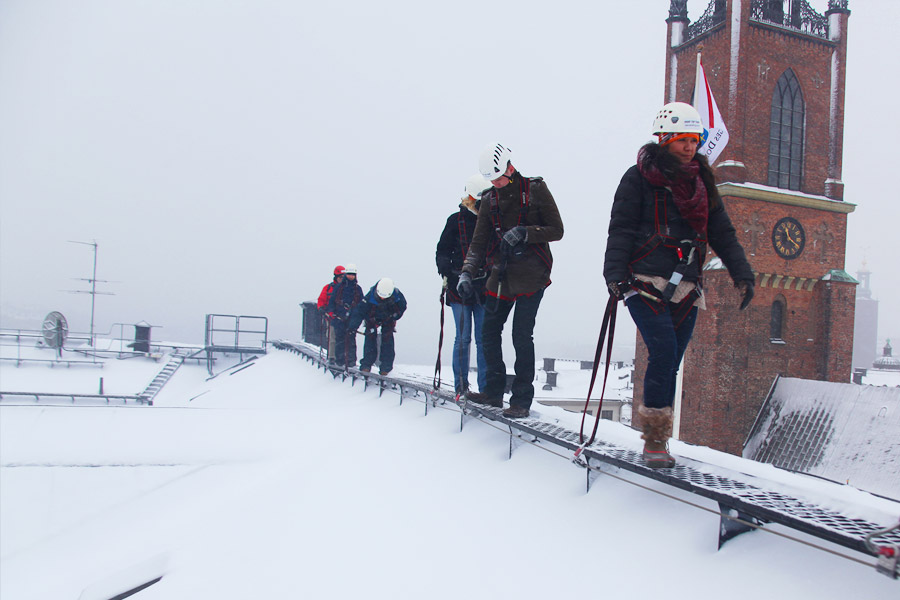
(493, 161)
(475, 185)
(384, 288)
(677, 117)
(350, 269)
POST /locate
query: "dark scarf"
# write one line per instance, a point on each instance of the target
(687, 183)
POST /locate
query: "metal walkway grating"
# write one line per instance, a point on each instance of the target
(734, 491)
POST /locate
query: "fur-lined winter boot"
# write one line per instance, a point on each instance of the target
(657, 424)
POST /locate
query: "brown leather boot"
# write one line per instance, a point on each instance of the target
(657, 424)
(516, 412)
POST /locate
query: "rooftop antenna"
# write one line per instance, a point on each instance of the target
(93, 281)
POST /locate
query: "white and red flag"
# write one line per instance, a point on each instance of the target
(715, 138)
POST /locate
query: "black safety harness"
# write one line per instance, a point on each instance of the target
(687, 250)
(493, 197)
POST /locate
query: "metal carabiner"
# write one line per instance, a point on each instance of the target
(888, 555)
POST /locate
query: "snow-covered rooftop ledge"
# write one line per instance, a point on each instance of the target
(756, 191)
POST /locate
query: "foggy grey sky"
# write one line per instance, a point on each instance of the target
(226, 155)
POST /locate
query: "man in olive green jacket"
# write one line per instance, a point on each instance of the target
(517, 220)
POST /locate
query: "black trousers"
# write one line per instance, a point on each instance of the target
(526, 308)
(371, 350)
(344, 344)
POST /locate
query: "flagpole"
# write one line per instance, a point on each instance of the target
(697, 75)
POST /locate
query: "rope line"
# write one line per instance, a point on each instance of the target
(456, 408)
(755, 526)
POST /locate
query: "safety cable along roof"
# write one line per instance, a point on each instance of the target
(744, 501)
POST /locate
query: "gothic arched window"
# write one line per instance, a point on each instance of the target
(786, 133)
(776, 324)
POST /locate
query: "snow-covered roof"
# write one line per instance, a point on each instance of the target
(881, 377)
(839, 431)
(890, 363)
(277, 480)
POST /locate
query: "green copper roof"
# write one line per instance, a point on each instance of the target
(839, 275)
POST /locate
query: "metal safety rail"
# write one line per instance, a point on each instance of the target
(85, 399)
(234, 334)
(743, 503)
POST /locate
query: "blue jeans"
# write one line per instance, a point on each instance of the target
(666, 342)
(523, 343)
(464, 316)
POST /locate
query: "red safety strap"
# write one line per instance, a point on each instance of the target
(463, 233)
(609, 322)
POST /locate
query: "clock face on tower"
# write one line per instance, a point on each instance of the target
(788, 238)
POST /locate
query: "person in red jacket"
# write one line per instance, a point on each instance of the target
(325, 294)
(322, 304)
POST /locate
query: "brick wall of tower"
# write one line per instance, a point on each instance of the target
(826, 234)
(765, 53)
(732, 361)
(838, 311)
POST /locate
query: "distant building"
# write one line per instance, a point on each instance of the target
(887, 362)
(565, 380)
(865, 324)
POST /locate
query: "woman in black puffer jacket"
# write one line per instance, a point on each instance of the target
(468, 313)
(666, 211)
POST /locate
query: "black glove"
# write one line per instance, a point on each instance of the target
(515, 236)
(746, 289)
(464, 287)
(510, 243)
(617, 289)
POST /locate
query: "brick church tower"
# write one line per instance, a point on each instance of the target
(777, 70)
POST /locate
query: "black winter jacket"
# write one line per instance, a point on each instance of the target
(640, 242)
(346, 295)
(451, 252)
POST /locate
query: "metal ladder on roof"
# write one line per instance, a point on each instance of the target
(176, 360)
